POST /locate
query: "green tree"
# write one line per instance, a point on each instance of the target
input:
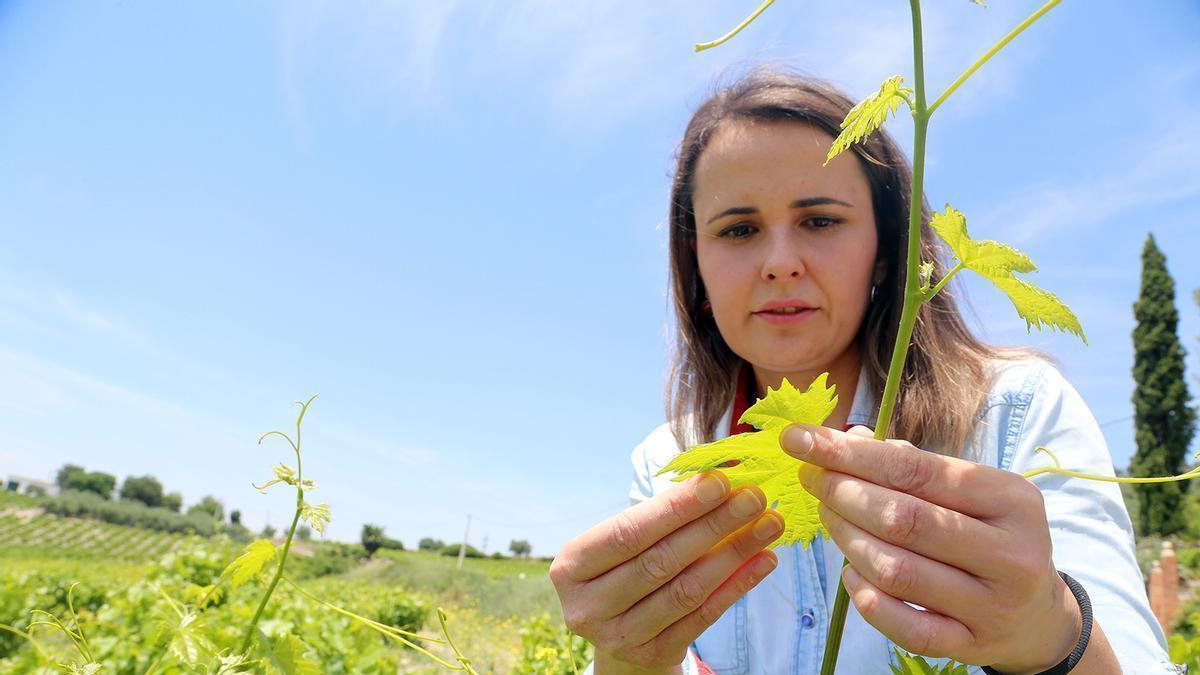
(67, 474)
(75, 477)
(173, 502)
(144, 489)
(372, 538)
(98, 482)
(210, 505)
(1163, 420)
(235, 517)
(520, 548)
(469, 551)
(430, 544)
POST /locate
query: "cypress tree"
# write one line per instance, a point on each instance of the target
(1163, 420)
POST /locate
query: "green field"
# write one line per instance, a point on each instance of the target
(503, 614)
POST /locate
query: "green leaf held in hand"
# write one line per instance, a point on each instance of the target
(999, 264)
(870, 114)
(760, 460)
(915, 665)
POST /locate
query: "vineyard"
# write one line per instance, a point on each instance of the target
(79, 537)
(503, 613)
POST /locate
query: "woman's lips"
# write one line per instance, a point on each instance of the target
(778, 319)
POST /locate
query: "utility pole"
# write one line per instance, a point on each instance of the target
(462, 548)
(484, 549)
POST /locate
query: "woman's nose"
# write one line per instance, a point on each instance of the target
(783, 260)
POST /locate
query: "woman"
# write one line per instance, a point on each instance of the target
(782, 267)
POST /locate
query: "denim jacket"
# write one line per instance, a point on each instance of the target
(780, 626)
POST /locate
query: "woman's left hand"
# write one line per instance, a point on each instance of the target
(969, 543)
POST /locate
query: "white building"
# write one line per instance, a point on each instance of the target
(25, 485)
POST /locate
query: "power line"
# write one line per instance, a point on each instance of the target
(1114, 421)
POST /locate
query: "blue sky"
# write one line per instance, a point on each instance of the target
(447, 220)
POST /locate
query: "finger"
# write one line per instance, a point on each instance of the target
(637, 528)
(928, 529)
(634, 579)
(690, 588)
(905, 575)
(917, 631)
(957, 484)
(686, 630)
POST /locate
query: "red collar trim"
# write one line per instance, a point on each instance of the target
(746, 395)
(743, 399)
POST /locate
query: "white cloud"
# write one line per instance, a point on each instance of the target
(61, 314)
(599, 64)
(339, 438)
(96, 321)
(50, 387)
(1153, 164)
(1151, 172)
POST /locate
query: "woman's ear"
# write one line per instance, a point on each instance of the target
(880, 271)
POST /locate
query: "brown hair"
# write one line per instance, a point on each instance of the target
(946, 362)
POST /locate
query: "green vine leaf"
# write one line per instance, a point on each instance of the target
(915, 665)
(84, 669)
(999, 264)
(316, 515)
(187, 634)
(870, 114)
(287, 475)
(287, 657)
(760, 461)
(989, 258)
(252, 560)
(234, 664)
(283, 474)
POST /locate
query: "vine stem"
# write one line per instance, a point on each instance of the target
(287, 544)
(384, 629)
(992, 52)
(913, 298)
(466, 663)
(282, 560)
(27, 636)
(1111, 479)
(737, 29)
(945, 280)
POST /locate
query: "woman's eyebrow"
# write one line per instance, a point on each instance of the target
(818, 201)
(798, 204)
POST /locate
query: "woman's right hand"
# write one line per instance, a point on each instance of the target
(644, 584)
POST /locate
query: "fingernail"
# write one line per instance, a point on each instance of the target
(710, 489)
(765, 565)
(767, 527)
(745, 503)
(797, 440)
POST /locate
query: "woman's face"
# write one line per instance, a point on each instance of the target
(774, 226)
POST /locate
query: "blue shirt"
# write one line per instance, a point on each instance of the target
(780, 626)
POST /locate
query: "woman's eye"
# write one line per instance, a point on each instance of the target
(737, 231)
(822, 222)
